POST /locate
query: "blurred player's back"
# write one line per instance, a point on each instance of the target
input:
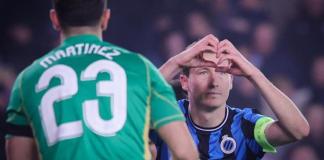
(88, 99)
(92, 97)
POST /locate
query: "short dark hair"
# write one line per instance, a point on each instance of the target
(78, 13)
(185, 71)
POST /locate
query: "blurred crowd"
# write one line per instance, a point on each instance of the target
(285, 39)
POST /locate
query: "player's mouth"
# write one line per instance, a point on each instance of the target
(214, 93)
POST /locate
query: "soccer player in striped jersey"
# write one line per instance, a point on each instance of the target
(88, 99)
(219, 130)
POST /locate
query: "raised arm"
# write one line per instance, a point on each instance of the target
(291, 124)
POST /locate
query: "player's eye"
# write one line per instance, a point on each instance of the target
(222, 73)
(202, 72)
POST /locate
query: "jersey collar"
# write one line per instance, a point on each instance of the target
(211, 129)
(81, 38)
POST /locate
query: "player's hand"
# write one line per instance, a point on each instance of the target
(191, 56)
(240, 66)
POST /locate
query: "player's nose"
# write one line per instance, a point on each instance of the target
(214, 79)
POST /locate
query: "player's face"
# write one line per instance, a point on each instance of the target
(206, 87)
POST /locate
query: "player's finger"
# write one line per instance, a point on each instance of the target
(224, 58)
(209, 49)
(212, 40)
(225, 50)
(228, 43)
(204, 40)
(191, 45)
(200, 63)
(222, 43)
(222, 69)
(206, 64)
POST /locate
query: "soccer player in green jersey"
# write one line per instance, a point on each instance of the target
(88, 99)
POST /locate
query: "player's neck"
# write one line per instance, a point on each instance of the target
(207, 119)
(73, 31)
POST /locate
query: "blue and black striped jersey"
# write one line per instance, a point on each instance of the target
(232, 139)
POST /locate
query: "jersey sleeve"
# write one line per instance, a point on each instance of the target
(164, 108)
(17, 122)
(254, 125)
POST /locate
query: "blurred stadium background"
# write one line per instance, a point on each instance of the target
(285, 39)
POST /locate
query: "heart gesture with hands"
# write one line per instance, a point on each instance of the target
(228, 59)
(209, 52)
(191, 56)
(238, 64)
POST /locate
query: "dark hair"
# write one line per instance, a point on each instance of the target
(185, 71)
(179, 92)
(77, 13)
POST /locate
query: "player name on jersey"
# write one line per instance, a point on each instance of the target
(81, 49)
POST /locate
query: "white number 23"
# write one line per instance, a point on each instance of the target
(115, 88)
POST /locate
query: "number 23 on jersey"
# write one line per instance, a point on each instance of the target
(116, 89)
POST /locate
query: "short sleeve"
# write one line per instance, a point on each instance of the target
(254, 125)
(17, 122)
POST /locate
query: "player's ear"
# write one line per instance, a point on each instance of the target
(55, 21)
(184, 82)
(105, 19)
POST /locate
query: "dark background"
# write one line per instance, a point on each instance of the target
(285, 39)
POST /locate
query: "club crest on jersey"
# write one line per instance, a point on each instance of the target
(228, 144)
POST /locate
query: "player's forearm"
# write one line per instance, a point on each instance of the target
(18, 148)
(170, 69)
(182, 147)
(285, 110)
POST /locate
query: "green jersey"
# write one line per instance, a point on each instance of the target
(88, 99)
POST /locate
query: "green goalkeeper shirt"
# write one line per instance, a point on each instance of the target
(89, 99)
